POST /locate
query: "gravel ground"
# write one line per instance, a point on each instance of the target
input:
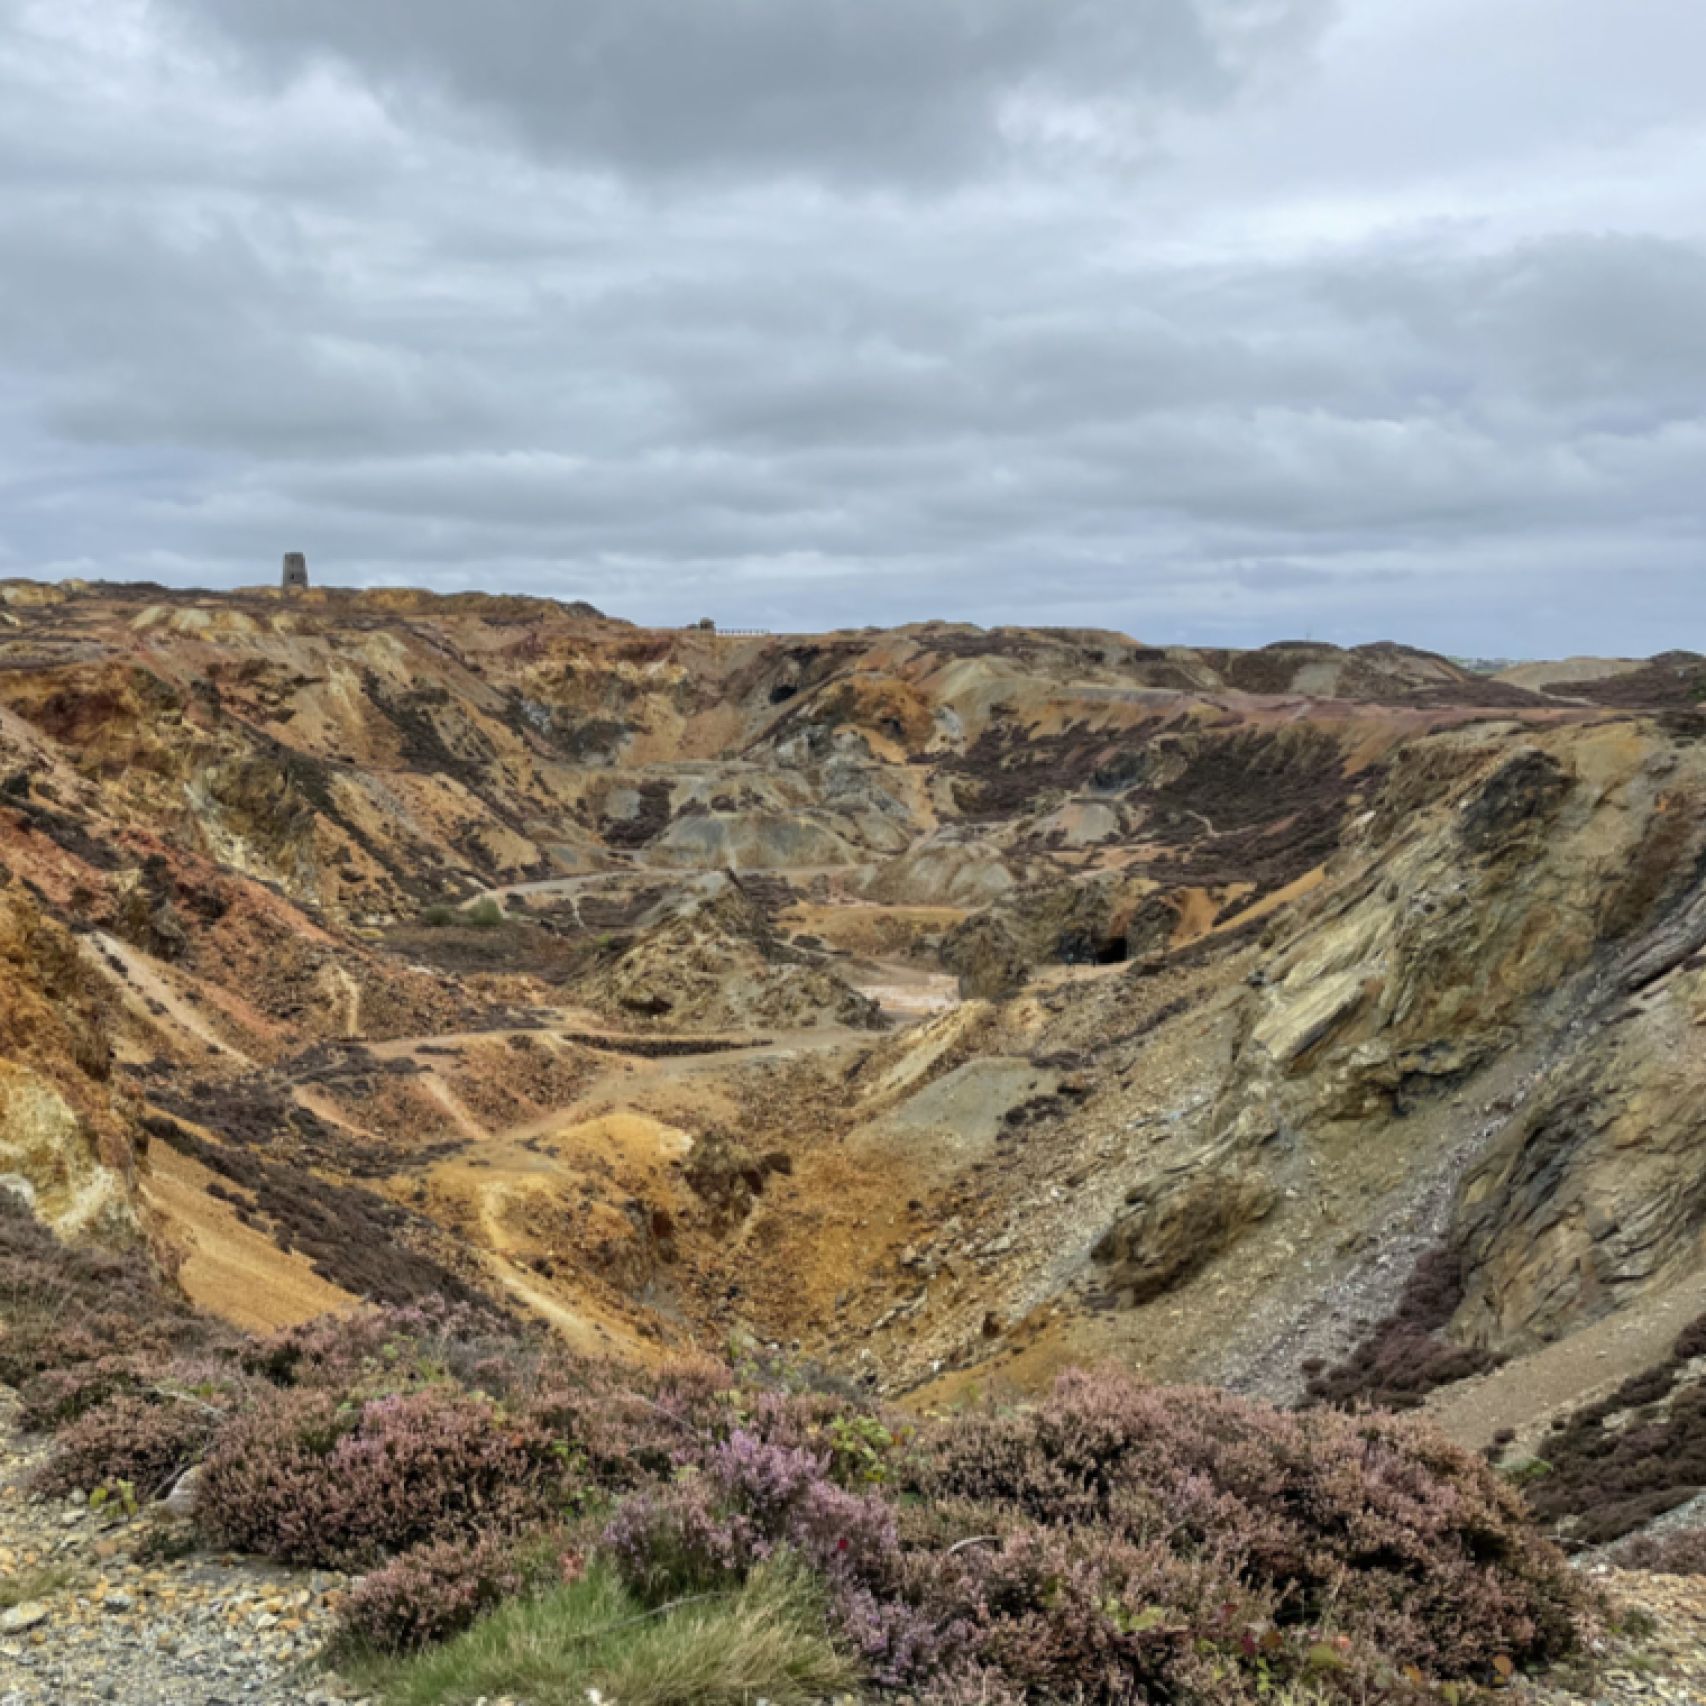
(204, 1629)
(1666, 1666)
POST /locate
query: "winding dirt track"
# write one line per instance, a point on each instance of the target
(504, 1168)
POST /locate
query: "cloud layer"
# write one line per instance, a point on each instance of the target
(1209, 319)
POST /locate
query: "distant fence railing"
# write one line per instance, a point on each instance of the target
(726, 633)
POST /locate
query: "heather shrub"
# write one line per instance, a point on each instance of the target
(386, 1349)
(104, 1354)
(767, 1482)
(749, 1501)
(953, 1592)
(1111, 1543)
(681, 1539)
(1407, 1355)
(698, 1396)
(1679, 1553)
(1061, 1614)
(146, 1442)
(308, 1480)
(56, 1396)
(855, 1442)
(1368, 1523)
(1615, 1465)
(1080, 1614)
(900, 1641)
(429, 1593)
(63, 1305)
(631, 1429)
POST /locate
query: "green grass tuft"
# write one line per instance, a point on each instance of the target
(40, 1583)
(766, 1640)
(486, 913)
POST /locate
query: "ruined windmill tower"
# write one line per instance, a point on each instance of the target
(295, 571)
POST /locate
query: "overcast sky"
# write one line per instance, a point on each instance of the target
(1211, 320)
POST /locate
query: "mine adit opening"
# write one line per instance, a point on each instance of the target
(1077, 948)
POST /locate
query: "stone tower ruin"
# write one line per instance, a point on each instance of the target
(295, 570)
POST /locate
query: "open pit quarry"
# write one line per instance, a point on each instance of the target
(940, 1006)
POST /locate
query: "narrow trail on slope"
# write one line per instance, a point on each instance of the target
(580, 1331)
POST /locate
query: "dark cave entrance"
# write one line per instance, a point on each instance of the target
(1079, 950)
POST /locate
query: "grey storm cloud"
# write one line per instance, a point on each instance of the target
(1208, 319)
(868, 89)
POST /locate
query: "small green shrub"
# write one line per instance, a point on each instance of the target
(38, 1583)
(486, 913)
(859, 1450)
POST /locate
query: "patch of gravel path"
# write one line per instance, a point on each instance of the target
(1666, 1667)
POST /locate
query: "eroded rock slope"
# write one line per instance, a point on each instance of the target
(946, 1005)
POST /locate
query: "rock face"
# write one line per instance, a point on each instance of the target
(68, 1135)
(1179, 1232)
(950, 1004)
(713, 962)
(1078, 922)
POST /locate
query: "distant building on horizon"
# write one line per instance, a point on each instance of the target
(295, 571)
